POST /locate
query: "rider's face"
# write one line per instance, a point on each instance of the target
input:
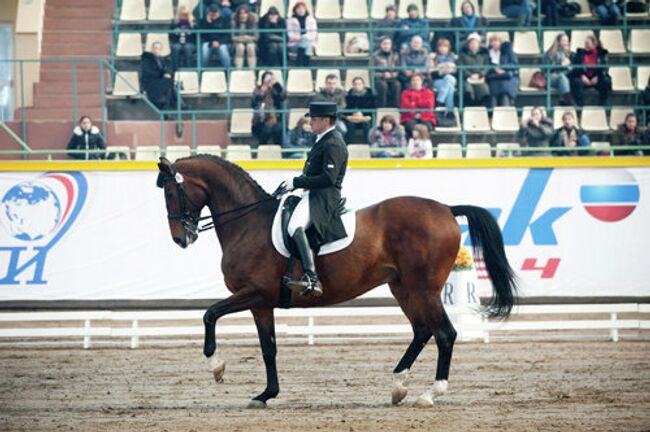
(319, 124)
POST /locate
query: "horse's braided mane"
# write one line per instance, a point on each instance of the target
(234, 169)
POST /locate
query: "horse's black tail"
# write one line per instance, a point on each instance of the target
(488, 241)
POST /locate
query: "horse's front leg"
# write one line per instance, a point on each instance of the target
(241, 300)
(266, 330)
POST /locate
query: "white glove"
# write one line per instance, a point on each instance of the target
(288, 183)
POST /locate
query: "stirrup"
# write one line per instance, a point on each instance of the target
(308, 285)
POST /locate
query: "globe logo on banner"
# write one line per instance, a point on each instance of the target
(37, 214)
(611, 198)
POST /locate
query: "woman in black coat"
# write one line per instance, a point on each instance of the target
(270, 43)
(583, 76)
(86, 136)
(503, 83)
(157, 77)
(360, 104)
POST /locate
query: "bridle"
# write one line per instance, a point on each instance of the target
(191, 222)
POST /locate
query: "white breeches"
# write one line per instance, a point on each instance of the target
(300, 217)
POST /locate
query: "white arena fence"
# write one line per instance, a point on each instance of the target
(469, 325)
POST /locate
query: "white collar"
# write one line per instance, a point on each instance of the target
(319, 136)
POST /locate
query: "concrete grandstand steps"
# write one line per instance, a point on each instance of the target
(67, 74)
(73, 48)
(65, 23)
(58, 113)
(65, 88)
(85, 100)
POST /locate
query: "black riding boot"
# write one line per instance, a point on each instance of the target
(309, 282)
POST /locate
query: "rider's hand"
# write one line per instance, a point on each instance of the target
(288, 184)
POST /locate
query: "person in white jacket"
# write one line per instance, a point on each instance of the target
(419, 145)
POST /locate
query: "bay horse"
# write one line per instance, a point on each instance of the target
(409, 243)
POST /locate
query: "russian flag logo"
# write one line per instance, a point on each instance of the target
(610, 203)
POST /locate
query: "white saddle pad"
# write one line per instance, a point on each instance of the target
(349, 223)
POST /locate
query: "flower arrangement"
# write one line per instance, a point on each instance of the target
(464, 260)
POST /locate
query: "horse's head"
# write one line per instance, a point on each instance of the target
(184, 198)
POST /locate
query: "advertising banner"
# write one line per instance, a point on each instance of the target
(103, 235)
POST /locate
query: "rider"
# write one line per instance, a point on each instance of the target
(321, 179)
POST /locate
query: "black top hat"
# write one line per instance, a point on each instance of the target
(322, 109)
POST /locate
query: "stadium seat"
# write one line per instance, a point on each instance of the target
(294, 115)
(612, 40)
(525, 74)
(213, 82)
(241, 121)
(266, 4)
(348, 37)
(266, 152)
(238, 152)
(381, 112)
(189, 82)
(328, 45)
(525, 43)
(359, 151)
(617, 116)
(594, 119)
(507, 149)
(504, 119)
(640, 41)
(328, 10)
(404, 4)
(585, 10)
(458, 8)
(478, 151)
(642, 75)
(505, 36)
(449, 151)
(351, 74)
(475, 119)
(601, 146)
(378, 10)
(491, 9)
(133, 10)
(578, 38)
(322, 73)
(276, 72)
(438, 10)
(299, 81)
(308, 3)
(147, 153)
(214, 150)
(177, 151)
(450, 129)
(621, 79)
(559, 111)
(163, 38)
(117, 152)
(160, 10)
(241, 82)
(126, 84)
(549, 37)
(355, 10)
(129, 45)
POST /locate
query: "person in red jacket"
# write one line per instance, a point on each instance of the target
(417, 106)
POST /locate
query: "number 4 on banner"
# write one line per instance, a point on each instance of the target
(548, 271)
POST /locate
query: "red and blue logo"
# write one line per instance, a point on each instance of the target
(611, 201)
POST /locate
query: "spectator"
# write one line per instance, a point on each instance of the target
(551, 12)
(413, 26)
(301, 34)
(417, 106)
(215, 44)
(570, 136)
(270, 45)
(584, 75)
(389, 136)
(607, 11)
(630, 133)
(268, 97)
(201, 9)
(477, 58)
(559, 55)
(387, 84)
(157, 78)
(182, 41)
(245, 39)
(535, 131)
(416, 58)
(444, 81)
(390, 21)
(645, 98)
(300, 137)
(503, 83)
(519, 10)
(469, 20)
(333, 93)
(419, 145)
(361, 102)
(86, 136)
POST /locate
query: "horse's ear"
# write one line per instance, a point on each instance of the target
(165, 166)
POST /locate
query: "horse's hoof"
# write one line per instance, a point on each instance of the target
(424, 401)
(256, 404)
(218, 367)
(399, 393)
